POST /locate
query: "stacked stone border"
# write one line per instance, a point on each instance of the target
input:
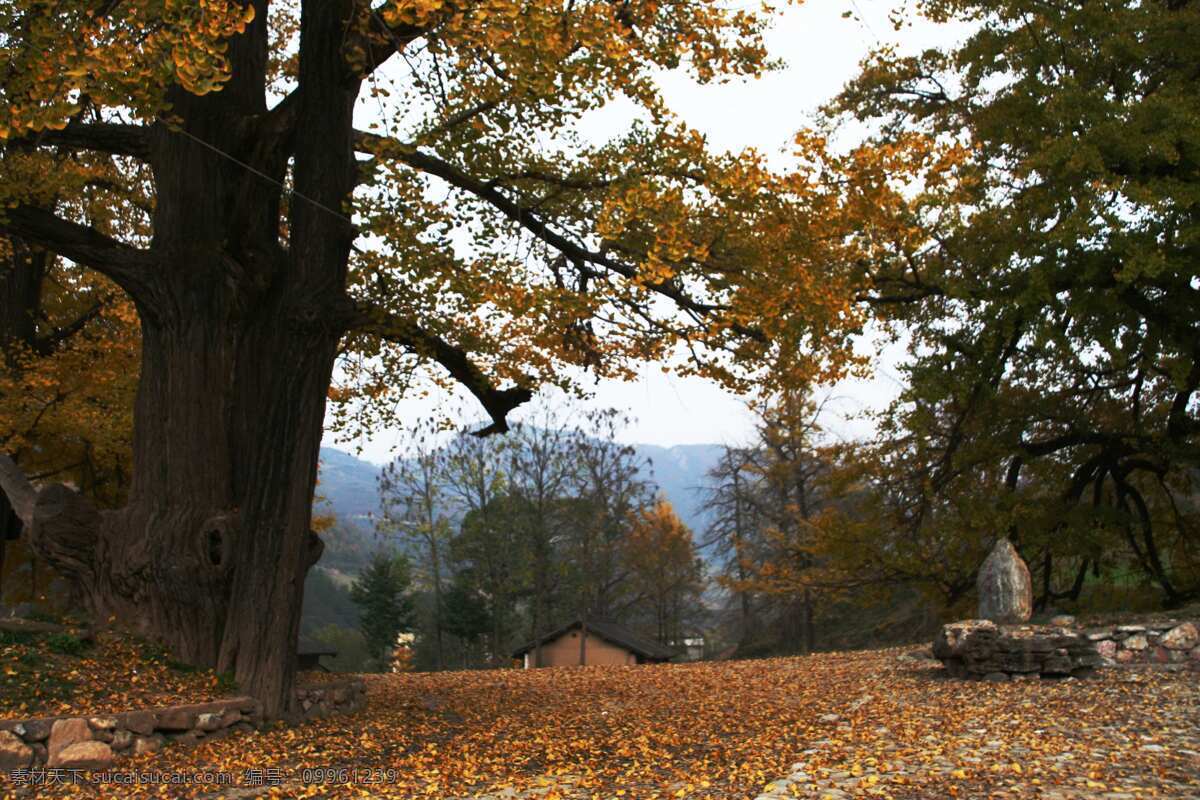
(95, 741)
(981, 648)
(332, 697)
(1165, 642)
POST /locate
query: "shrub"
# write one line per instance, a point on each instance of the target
(66, 644)
(15, 637)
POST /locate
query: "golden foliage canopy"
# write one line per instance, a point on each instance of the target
(489, 216)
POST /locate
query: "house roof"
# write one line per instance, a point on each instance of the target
(610, 632)
(309, 647)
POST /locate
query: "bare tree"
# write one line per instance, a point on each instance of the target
(543, 470)
(412, 496)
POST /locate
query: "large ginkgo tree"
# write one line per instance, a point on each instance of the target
(404, 185)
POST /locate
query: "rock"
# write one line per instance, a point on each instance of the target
(65, 733)
(996, 677)
(1125, 656)
(1063, 621)
(230, 717)
(147, 744)
(1005, 589)
(103, 723)
(14, 753)
(121, 740)
(209, 721)
(37, 730)
(1136, 642)
(20, 625)
(176, 719)
(39, 753)
(1107, 648)
(247, 705)
(1057, 663)
(1100, 635)
(102, 728)
(142, 722)
(1181, 637)
(83, 755)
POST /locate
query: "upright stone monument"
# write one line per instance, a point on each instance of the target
(1000, 643)
(1004, 585)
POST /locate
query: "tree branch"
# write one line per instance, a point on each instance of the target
(497, 402)
(386, 40)
(578, 255)
(127, 266)
(44, 345)
(380, 42)
(103, 137)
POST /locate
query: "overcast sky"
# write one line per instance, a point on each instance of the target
(821, 49)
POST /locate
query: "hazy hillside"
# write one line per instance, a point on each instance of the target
(347, 487)
(680, 473)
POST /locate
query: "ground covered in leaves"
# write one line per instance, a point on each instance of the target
(853, 725)
(49, 674)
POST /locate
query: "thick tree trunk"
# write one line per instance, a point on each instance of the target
(210, 553)
(240, 332)
(281, 428)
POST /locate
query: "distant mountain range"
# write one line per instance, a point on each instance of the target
(681, 473)
(347, 486)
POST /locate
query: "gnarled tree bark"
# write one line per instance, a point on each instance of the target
(240, 331)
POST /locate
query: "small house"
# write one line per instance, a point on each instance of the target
(592, 643)
(309, 652)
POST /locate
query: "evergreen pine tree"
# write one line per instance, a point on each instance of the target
(381, 593)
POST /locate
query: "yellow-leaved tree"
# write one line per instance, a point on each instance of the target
(664, 569)
(261, 229)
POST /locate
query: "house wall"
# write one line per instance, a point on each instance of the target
(564, 652)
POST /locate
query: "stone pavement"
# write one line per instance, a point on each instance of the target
(984, 762)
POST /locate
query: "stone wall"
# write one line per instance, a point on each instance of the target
(1166, 642)
(985, 649)
(332, 697)
(94, 742)
(981, 648)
